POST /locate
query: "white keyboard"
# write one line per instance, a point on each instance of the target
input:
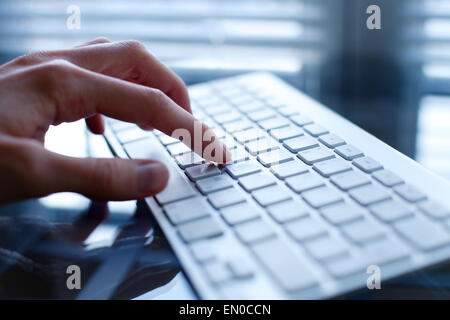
(309, 203)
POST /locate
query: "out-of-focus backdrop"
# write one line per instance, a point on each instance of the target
(394, 82)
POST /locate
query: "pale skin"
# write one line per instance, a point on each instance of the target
(121, 80)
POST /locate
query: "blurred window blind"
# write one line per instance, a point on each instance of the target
(197, 35)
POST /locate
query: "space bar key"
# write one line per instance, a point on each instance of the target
(283, 265)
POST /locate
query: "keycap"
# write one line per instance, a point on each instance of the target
(187, 160)
(166, 140)
(235, 126)
(350, 179)
(387, 177)
(315, 155)
(256, 181)
(254, 231)
(384, 251)
(261, 145)
(186, 210)
(275, 157)
(218, 272)
(262, 114)
(202, 171)
(212, 184)
(367, 164)
(363, 231)
(200, 229)
(249, 135)
(301, 120)
(270, 195)
(369, 194)
(241, 169)
(349, 152)
(219, 108)
(304, 182)
(305, 229)
(289, 111)
(283, 265)
(326, 248)
(289, 132)
(271, 100)
(117, 125)
(434, 210)
(240, 268)
(241, 99)
(177, 189)
(202, 252)
(422, 233)
(224, 198)
(330, 167)
(315, 130)
(321, 197)
(239, 154)
(274, 123)
(341, 213)
(250, 107)
(287, 211)
(288, 169)
(227, 117)
(239, 213)
(409, 193)
(346, 266)
(300, 143)
(390, 210)
(331, 140)
(178, 148)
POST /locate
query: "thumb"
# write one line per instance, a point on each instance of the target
(105, 179)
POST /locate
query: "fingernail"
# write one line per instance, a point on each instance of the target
(152, 177)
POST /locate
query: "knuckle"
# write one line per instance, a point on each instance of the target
(53, 71)
(101, 40)
(134, 47)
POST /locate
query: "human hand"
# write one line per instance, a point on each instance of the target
(120, 80)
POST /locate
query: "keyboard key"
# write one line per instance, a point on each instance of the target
(301, 120)
(166, 140)
(178, 148)
(331, 140)
(131, 134)
(388, 178)
(213, 184)
(270, 195)
(305, 229)
(349, 180)
(187, 160)
(227, 117)
(434, 210)
(240, 268)
(177, 189)
(200, 229)
(410, 193)
(300, 144)
(288, 111)
(326, 248)
(341, 213)
(321, 197)
(367, 164)
(202, 252)
(239, 154)
(274, 157)
(261, 145)
(315, 130)
(239, 213)
(257, 181)
(390, 210)
(348, 152)
(236, 126)
(186, 210)
(218, 272)
(241, 169)
(423, 233)
(287, 133)
(288, 169)
(305, 182)
(249, 135)
(384, 251)
(346, 266)
(363, 231)
(287, 211)
(274, 123)
(254, 231)
(283, 265)
(224, 198)
(202, 171)
(250, 107)
(369, 194)
(315, 155)
(330, 167)
(262, 114)
(242, 99)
